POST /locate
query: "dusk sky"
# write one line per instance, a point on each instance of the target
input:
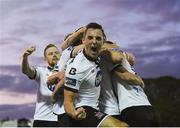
(148, 28)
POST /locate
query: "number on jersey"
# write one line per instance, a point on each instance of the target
(72, 71)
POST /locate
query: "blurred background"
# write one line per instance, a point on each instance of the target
(150, 29)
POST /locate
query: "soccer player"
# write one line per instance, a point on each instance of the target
(134, 105)
(44, 116)
(70, 43)
(68, 53)
(123, 95)
(82, 85)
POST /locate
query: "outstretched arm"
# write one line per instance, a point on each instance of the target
(72, 38)
(26, 69)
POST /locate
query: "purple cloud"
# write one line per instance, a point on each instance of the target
(157, 58)
(17, 111)
(12, 80)
(167, 10)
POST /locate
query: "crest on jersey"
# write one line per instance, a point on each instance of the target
(98, 78)
(51, 87)
(99, 115)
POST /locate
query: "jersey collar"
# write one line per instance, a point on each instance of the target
(88, 57)
(55, 68)
(50, 68)
(91, 59)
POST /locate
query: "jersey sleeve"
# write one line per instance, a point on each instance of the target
(37, 73)
(73, 77)
(33, 68)
(65, 56)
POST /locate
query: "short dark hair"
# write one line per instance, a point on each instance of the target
(95, 26)
(48, 46)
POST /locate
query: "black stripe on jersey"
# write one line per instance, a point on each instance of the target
(97, 62)
(71, 54)
(50, 68)
(71, 89)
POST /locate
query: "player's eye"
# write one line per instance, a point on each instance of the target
(98, 38)
(90, 37)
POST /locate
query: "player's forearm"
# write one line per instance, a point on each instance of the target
(52, 79)
(112, 56)
(55, 77)
(130, 78)
(58, 90)
(77, 49)
(26, 68)
(70, 110)
(69, 103)
(65, 45)
(59, 86)
(117, 57)
(71, 39)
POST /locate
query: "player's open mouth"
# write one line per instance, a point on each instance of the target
(94, 48)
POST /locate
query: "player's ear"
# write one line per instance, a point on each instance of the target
(83, 41)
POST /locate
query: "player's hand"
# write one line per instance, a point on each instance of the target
(29, 51)
(140, 81)
(108, 46)
(131, 58)
(53, 78)
(142, 84)
(61, 74)
(80, 113)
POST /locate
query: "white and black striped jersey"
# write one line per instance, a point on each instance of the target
(44, 106)
(83, 76)
(129, 95)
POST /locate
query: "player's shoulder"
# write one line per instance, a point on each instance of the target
(41, 68)
(80, 63)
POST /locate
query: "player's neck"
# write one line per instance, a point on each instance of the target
(89, 57)
(50, 67)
